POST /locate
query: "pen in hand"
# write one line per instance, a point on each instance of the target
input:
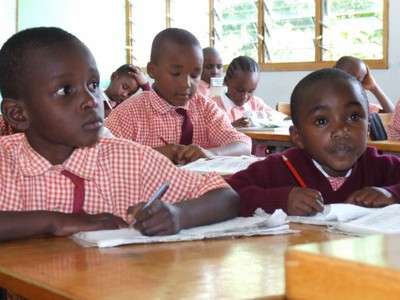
(157, 195)
(298, 178)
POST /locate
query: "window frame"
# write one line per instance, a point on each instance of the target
(271, 66)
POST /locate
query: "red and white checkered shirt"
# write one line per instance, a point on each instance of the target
(236, 112)
(394, 125)
(149, 119)
(118, 173)
(204, 88)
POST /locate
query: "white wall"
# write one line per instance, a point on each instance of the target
(98, 23)
(277, 86)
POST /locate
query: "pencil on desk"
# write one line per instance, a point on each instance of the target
(294, 172)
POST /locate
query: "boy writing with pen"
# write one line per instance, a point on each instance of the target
(58, 176)
(331, 162)
(173, 117)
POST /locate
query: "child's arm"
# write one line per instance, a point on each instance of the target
(304, 202)
(162, 218)
(372, 197)
(242, 122)
(370, 84)
(16, 225)
(194, 152)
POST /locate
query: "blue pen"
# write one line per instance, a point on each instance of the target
(157, 195)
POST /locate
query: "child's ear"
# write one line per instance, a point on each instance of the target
(151, 70)
(15, 114)
(296, 137)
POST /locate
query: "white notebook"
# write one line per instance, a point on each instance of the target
(260, 224)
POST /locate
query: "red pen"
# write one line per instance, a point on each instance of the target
(297, 176)
(294, 172)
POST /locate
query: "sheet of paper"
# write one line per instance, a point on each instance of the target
(334, 213)
(383, 220)
(223, 165)
(260, 224)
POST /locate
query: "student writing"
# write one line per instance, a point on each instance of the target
(241, 80)
(59, 164)
(159, 115)
(329, 109)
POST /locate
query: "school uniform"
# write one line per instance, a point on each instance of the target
(393, 133)
(236, 112)
(117, 174)
(204, 88)
(267, 183)
(152, 121)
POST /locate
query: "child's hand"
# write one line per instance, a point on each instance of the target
(242, 122)
(368, 82)
(171, 151)
(304, 202)
(191, 153)
(159, 218)
(372, 197)
(67, 224)
(138, 75)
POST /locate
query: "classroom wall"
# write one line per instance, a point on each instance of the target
(277, 86)
(96, 22)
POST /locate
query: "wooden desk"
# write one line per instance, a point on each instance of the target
(282, 139)
(241, 268)
(356, 268)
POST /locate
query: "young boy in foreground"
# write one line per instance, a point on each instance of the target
(50, 88)
(329, 110)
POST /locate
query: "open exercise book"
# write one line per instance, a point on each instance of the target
(260, 224)
(223, 165)
(356, 220)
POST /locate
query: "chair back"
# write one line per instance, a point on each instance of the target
(283, 107)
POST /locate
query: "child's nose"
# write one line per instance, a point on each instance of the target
(90, 100)
(341, 131)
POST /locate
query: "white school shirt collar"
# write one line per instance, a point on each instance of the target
(319, 167)
(228, 103)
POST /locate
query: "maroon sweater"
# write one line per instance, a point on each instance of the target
(267, 183)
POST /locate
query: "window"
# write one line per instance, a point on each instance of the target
(279, 34)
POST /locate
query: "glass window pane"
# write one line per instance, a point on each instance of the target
(236, 28)
(289, 30)
(353, 28)
(196, 22)
(148, 19)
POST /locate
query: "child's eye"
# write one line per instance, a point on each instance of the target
(93, 85)
(175, 74)
(321, 122)
(355, 117)
(65, 90)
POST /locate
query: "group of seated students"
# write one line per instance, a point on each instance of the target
(59, 175)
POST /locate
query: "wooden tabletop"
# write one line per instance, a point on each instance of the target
(354, 268)
(58, 268)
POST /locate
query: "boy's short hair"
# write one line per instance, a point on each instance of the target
(173, 35)
(345, 60)
(320, 76)
(124, 69)
(243, 63)
(15, 56)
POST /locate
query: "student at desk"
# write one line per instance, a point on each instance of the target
(174, 118)
(329, 109)
(239, 103)
(58, 176)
